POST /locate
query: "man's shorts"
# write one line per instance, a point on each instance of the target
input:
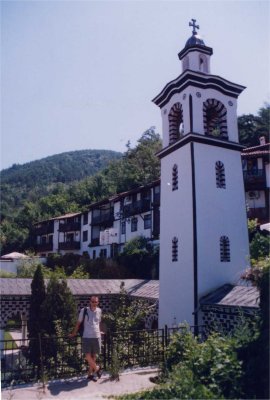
(91, 345)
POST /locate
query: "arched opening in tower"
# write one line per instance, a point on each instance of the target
(176, 125)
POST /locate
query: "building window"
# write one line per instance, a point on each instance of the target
(50, 239)
(123, 227)
(203, 63)
(174, 249)
(176, 128)
(225, 255)
(147, 221)
(220, 175)
(134, 224)
(85, 236)
(103, 253)
(175, 177)
(215, 118)
(85, 218)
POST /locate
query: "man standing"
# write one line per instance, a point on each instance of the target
(91, 339)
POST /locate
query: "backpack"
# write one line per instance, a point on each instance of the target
(81, 327)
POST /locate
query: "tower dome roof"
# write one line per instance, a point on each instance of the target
(194, 40)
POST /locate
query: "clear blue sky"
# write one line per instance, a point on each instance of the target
(82, 74)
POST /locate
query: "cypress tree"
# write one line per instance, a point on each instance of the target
(59, 305)
(38, 295)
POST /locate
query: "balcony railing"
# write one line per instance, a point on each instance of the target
(104, 218)
(44, 247)
(254, 179)
(43, 229)
(72, 245)
(136, 207)
(69, 226)
(261, 213)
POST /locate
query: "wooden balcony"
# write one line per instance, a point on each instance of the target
(137, 207)
(43, 247)
(72, 245)
(261, 213)
(255, 179)
(69, 226)
(44, 229)
(103, 219)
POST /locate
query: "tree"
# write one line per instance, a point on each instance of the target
(252, 127)
(141, 258)
(255, 353)
(259, 246)
(38, 294)
(59, 305)
(127, 313)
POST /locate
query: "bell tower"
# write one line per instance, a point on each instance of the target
(203, 224)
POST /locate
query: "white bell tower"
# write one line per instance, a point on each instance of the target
(204, 238)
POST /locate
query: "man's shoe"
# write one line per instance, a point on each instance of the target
(91, 378)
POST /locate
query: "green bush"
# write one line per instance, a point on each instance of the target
(207, 370)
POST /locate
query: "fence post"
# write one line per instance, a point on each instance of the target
(166, 336)
(41, 363)
(105, 338)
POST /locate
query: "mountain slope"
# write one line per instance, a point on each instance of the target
(61, 168)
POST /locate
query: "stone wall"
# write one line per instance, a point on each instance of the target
(226, 318)
(13, 305)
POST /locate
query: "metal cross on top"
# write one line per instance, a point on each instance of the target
(194, 26)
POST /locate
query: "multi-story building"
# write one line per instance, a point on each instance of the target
(256, 169)
(103, 230)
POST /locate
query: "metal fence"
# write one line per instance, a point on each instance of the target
(58, 357)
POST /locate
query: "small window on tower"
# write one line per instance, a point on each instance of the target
(220, 175)
(225, 255)
(174, 249)
(175, 177)
(203, 63)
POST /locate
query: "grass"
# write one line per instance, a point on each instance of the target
(9, 345)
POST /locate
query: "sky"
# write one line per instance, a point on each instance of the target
(82, 74)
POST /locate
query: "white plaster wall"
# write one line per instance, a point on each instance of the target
(12, 265)
(176, 278)
(98, 249)
(267, 172)
(86, 227)
(194, 61)
(9, 266)
(140, 228)
(55, 236)
(219, 212)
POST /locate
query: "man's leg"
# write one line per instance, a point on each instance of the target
(91, 362)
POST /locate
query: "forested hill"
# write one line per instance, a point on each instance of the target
(69, 182)
(59, 168)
